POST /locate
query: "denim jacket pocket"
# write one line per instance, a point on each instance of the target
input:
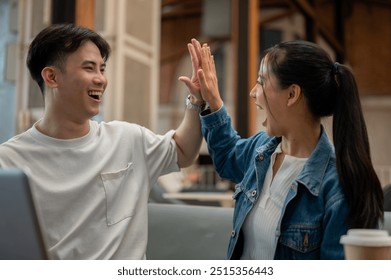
(301, 238)
(119, 194)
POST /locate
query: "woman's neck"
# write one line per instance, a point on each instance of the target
(301, 140)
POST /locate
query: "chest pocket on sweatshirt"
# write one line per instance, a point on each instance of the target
(121, 197)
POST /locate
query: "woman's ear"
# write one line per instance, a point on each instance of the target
(49, 76)
(294, 94)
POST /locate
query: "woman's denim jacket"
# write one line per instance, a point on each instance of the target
(315, 210)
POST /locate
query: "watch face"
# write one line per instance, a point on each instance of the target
(192, 106)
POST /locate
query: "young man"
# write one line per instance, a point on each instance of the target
(91, 180)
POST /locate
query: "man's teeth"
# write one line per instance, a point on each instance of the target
(95, 94)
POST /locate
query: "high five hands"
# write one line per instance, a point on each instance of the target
(203, 85)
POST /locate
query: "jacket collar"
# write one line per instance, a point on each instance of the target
(314, 170)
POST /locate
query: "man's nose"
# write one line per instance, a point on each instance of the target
(100, 78)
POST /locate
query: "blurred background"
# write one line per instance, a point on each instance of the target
(148, 40)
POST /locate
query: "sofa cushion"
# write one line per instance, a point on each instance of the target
(387, 221)
(188, 232)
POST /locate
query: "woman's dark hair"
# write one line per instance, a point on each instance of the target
(330, 89)
(53, 45)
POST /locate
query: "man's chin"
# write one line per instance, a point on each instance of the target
(94, 114)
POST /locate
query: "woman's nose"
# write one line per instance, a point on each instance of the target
(253, 92)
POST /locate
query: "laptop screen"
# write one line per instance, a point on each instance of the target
(20, 235)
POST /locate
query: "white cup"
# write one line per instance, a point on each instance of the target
(367, 244)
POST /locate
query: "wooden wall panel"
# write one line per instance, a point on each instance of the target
(85, 13)
(368, 45)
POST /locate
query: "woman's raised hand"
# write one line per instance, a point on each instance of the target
(207, 77)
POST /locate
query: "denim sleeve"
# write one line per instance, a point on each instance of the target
(230, 153)
(335, 225)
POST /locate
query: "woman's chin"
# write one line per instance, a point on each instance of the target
(267, 128)
(265, 123)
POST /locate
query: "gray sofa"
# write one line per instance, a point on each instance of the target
(185, 232)
(387, 221)
(188, 232)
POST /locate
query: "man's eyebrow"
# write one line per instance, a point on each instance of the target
(86, 62)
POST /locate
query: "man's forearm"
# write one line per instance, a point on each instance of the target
(188, 138)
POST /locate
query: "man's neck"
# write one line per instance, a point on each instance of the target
(64, 129)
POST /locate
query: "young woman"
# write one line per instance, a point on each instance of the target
(296, 193)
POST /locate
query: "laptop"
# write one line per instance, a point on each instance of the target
(20, 234)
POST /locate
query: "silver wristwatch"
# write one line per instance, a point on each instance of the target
(195, 107)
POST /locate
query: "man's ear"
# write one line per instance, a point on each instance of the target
(49, 76)
(294, 94)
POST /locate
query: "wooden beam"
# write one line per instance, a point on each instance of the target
(63, 11)
(180, 2)
(307, 10)
(245, 44)
(241, 48)
(253, 62)
(85, 13)
(182, 13)
(174, 9)
(284, 14)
